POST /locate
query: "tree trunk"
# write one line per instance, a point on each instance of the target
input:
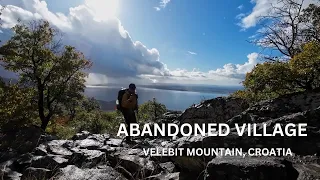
(44, 120)
(308, 86)
(44, 123)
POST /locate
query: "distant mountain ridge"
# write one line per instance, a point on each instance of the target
(183, 87)
(107, 105)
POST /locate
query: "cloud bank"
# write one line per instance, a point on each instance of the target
(115, 55)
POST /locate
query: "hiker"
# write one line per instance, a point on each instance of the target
(128, 104)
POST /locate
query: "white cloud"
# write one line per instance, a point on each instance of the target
(192, 53)
(240, 16)
(157, 8)
(241, 7)
(95, 78)
(105, 41)
(230, 74)
(263, 8)
(162, 4)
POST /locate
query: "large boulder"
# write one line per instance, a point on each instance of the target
(28, 136)
(250, 168)
(217, 110)
(276, 108)
(308, 171)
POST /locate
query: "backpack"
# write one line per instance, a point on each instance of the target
(120, 94)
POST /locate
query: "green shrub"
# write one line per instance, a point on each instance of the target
(151, 111)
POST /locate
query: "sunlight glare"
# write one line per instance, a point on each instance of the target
(103, 9)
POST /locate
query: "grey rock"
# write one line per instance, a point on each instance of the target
(23, 161)
(168, 167)
(7, 164)
(72, 172)
(22, 140)
(99, 137)
(8, 155)
(250, 168)
(40, 150)
(137, 166)
(32, 173)
(217, 110)
(59, 150)
(87, 158)
(107, 149)
(276, 108)
(165, 176)
(82, 135)
(88, 144)
(8, 174)
(308, 171)
(51, 162)
(114, 142)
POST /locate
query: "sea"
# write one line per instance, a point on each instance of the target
(172, 96)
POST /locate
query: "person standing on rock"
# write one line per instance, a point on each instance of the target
(128, 105)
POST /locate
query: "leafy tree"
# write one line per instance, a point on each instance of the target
(306, 67)
(55, 73)
(16, 107)
(151, 111)
(81, 105)
(268, 80)
(272, 79)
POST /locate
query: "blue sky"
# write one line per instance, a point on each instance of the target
(154, 41)
(208, 28)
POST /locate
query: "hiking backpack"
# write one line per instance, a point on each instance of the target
(120, 94)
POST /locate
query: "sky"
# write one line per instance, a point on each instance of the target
(153, 41)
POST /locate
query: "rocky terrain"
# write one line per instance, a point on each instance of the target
(98, 156)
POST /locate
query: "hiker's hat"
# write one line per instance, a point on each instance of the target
(132, 86)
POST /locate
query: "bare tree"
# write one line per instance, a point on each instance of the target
(311, 19)
(282, 28)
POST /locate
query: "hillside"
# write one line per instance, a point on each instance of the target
(98, 156)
